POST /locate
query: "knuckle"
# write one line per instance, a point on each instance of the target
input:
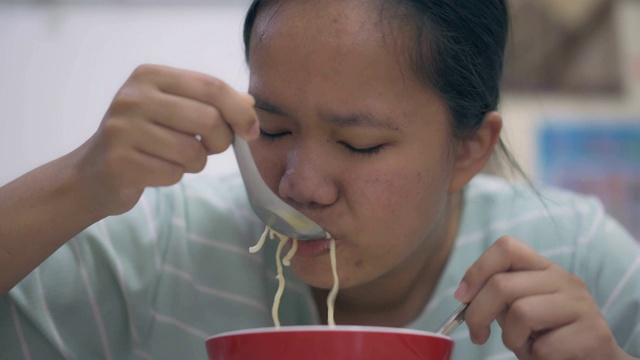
(173, 174)
(499, 284)
(144, 70)
(212, 120)
(199, 164)
(217, 147)
(219, 141)
(539, 351)
(576, 281)
(125, 100)
(195, 155)
(519, 311)
(509, 341)
(507, 244)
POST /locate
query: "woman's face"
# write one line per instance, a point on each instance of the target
(350, 138)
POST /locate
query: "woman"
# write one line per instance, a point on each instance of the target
(375, 119)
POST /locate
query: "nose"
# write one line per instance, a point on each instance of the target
(308, 179)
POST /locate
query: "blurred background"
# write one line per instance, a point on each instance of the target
(571, 99)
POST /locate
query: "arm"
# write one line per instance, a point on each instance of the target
(39, 212)
(545, 312)
(147, 138)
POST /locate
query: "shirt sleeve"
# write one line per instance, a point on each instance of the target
(610, 267)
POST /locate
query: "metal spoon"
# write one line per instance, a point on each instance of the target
(453, 321)
(274, 212)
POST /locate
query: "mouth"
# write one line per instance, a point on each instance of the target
(313, 248)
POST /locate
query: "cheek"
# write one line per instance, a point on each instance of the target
(399, 191)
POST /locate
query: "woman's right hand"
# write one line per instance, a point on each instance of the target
(162, 123)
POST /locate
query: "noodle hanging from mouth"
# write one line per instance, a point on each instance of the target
(286, 261)
(331, 299)
(281, 283)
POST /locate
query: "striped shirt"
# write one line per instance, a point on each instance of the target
(156, 282)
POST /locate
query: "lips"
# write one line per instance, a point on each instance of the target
(312, 248)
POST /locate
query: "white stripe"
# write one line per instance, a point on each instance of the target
(97, 316)
(16, 320)
(243, 212)
(586, 238)
(226, 247)
(54, 330)
(180, 325)
(621, 285)
(121, 281)
(142, 354)
(152, 229)
(564, 250)
(504, 224)
(179, 222)
(214, 292)
(503, 356)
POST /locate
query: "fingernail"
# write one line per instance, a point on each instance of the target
(461, 291)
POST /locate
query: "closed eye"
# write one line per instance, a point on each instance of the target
(363, 151)
(273, 136)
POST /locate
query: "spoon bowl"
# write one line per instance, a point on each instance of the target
(269, 208)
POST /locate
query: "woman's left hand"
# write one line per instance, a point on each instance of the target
(544, 311)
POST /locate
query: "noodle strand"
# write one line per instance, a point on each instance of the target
(287, 259)
(281, 283)
(331, 299)
(254, 249)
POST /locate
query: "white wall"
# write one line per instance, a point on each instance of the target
(60, 66)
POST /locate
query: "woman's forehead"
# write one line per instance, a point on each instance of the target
(339, 21)
(332, 54)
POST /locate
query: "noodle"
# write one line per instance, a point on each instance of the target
(286, 261)
(331, 299)
(254, 249)
(281, 283)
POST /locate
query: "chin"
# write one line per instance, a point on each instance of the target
(317, 274)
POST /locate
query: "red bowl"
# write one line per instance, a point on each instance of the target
(324, 342)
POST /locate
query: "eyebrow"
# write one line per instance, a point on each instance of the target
(358, 118)
(269, 107)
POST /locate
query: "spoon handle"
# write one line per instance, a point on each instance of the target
(453, 321)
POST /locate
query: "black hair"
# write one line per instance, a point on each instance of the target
(458, 52)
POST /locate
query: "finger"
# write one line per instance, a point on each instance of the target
(528, 317)
(169, 145)
(506, 254)
(579, 340)
(500, 292)
(137, 170)
(234, 107)
(194, 118)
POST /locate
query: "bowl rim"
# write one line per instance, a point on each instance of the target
(327, 328)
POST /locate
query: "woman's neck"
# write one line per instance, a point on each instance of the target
(399, 297)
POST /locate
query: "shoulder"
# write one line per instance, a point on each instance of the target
(554, 221)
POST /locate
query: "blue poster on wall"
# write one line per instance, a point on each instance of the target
(600, 158)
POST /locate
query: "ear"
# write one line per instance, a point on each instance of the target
(473, 151)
